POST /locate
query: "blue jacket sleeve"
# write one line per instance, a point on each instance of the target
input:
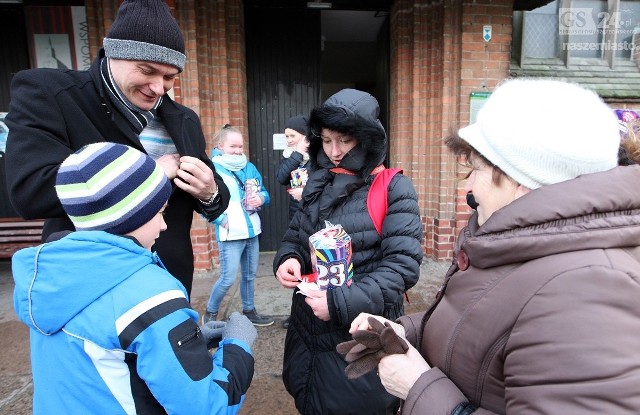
(180, 371)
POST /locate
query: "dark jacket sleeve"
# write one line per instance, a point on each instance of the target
(221, 202)
(381, 291)
(37, 126)
(195, 145)
(287, 165)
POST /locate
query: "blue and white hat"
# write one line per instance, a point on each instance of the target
(111, 187)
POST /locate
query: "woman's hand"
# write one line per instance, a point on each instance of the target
(224, 222)
(254, 200)
(296, 193)
(361, 323)
(288, 273)
(399, 372)
(302, 146)
(319, 305)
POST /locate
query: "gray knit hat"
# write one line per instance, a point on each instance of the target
(145, 30)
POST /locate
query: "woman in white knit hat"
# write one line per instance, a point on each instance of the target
(539, 310)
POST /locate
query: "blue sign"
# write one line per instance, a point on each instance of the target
(486, 33)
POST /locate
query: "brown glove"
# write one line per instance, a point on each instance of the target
(364, 352)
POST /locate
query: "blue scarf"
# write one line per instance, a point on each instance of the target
(231, 162)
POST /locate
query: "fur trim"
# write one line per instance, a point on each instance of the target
(356, 121)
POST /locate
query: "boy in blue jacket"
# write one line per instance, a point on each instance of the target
(111, 330)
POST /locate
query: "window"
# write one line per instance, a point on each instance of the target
(565, 29)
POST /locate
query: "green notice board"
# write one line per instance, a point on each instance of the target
(476, 100)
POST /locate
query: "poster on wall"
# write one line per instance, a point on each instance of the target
(52, 51)
(279, 141)
(58, 37)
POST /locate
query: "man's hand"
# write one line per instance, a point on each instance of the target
(170, 163)
(195, 178)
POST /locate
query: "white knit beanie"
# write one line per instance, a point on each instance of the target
(541, 132)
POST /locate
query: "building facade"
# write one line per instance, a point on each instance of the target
(253, 64)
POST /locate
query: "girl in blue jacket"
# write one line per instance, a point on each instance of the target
(238, 227)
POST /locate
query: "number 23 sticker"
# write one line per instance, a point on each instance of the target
(331, 274)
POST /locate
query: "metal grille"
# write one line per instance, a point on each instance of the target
(540, 38)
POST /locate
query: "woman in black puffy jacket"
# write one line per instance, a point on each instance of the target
(347, 144)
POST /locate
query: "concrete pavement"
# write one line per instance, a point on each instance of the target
(266, 394)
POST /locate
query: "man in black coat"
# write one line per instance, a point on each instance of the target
(123, 99)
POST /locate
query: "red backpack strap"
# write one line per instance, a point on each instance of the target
(377, 199)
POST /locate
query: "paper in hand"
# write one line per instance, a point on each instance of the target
(308, 288)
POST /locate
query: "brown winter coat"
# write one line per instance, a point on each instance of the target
(546, 318)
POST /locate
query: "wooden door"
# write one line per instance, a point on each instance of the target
(283, 80)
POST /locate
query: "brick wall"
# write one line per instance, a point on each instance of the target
(420, 79)
(213, 85)
(483, 64)
(438, 57)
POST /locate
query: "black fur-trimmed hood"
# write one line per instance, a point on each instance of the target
(354, 113)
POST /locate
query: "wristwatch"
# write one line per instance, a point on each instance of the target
(211, 199)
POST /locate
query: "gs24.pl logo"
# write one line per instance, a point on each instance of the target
(587, 21)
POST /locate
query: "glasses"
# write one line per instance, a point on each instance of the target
(224, 127)
(479, 161)
(463, 161)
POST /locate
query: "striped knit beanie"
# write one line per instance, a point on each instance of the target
(111, 187)
(145, 30)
